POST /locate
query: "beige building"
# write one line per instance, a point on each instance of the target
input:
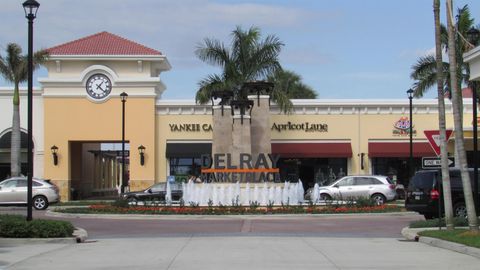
(319, 141)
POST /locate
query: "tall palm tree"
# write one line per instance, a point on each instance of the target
(425, 69)
(291, 84)
(441, 119)
(13, 67)
(247, 59)
(455, 76)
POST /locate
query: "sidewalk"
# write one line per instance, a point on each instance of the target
(412, 234)
(266, 252)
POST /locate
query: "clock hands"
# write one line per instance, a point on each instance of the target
(99, 86)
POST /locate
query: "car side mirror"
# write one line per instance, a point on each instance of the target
(149, 190)
(335, 186)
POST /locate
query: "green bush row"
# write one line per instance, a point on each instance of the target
(16, 226)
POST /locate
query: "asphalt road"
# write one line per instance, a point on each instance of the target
(365, 225)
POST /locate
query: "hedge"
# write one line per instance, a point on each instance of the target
(16, 226)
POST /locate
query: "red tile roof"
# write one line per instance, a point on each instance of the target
(103, 43)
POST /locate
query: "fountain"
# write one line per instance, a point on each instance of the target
(232, 194)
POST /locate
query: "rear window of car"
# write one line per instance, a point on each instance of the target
(422, 180)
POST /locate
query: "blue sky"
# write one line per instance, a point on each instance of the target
(342, 48)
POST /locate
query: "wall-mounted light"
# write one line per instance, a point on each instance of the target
(362, 164)
(141, 150)
(54, 154)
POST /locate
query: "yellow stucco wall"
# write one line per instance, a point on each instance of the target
(78, 119)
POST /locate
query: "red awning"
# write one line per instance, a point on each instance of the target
(399, 149)
(312, 150)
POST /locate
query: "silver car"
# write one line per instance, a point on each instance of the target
(380, 188)
(13, 191)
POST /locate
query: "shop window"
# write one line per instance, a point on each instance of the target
(181, 168)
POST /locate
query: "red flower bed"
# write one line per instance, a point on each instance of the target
(236, 210)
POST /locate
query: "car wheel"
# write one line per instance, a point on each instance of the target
(132, 200)
(460, 210)
(40, 202)
(378, 199)
(325, 197)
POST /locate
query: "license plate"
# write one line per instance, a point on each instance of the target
(417, 197)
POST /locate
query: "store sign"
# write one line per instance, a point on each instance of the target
(190, 127)
(307, 127)
(402, 127)
(220, 168)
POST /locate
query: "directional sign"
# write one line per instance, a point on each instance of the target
(433, 137)
(435, 162)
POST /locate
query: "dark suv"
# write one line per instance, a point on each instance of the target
(425, 191)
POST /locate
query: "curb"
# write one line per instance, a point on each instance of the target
(79, 236)
(51, 213)
(412, 234)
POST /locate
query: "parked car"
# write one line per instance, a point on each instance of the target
(13, 191)
(156, 192)
(424, 193)
(380, 188)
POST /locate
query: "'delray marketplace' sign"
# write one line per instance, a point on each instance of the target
(220, 168)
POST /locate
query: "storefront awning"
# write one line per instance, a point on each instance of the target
(399, 149)
(193, 150)
(312, 150)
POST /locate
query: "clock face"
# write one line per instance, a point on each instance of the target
(98, 86)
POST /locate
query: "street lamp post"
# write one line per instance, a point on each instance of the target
(123, 97)
(410, 161)
(31, 8)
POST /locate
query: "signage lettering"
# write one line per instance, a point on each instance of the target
(402, 127)
(219, 168)
(190, 127)
(307, 127)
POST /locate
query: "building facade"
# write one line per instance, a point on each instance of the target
(79, 110)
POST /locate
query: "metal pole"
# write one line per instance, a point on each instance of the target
(475, 143)
(410, 162)
(30, 117)
(123, 146)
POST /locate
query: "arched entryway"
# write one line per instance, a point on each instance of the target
(5, 149)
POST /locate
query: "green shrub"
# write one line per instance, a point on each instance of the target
(15, 226)
(120, 203)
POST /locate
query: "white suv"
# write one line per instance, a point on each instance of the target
(13, 191)
(380, 188)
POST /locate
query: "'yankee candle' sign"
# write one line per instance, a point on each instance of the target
(220, 168)
(307, 127)
(190, 127)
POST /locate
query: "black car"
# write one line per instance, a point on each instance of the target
(424, 193)
(156, 192)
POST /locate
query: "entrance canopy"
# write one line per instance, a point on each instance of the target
(315, 149)
(188, 150)
(399, 149)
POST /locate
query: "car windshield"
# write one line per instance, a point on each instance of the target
(422, 180)
(158, 187)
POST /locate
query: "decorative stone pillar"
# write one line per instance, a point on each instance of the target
(222, 130)
(241, 138)
(261, 127)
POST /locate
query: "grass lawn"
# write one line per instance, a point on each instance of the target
(464, 237)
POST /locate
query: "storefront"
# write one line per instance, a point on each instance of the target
(320, 141)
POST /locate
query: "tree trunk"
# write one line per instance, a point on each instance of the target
(459, 140)
(15, 162)
(447, 195)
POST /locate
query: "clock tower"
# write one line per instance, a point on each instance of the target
(83, 114)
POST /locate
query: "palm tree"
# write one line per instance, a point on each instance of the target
(13, 68)
(247, 59)
(425, 69)
(455, 76)
(291, 84)
(441, 119)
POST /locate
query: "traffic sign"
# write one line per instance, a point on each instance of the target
(436, 162)
(433, 137)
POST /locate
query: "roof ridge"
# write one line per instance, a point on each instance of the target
(102, 43)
